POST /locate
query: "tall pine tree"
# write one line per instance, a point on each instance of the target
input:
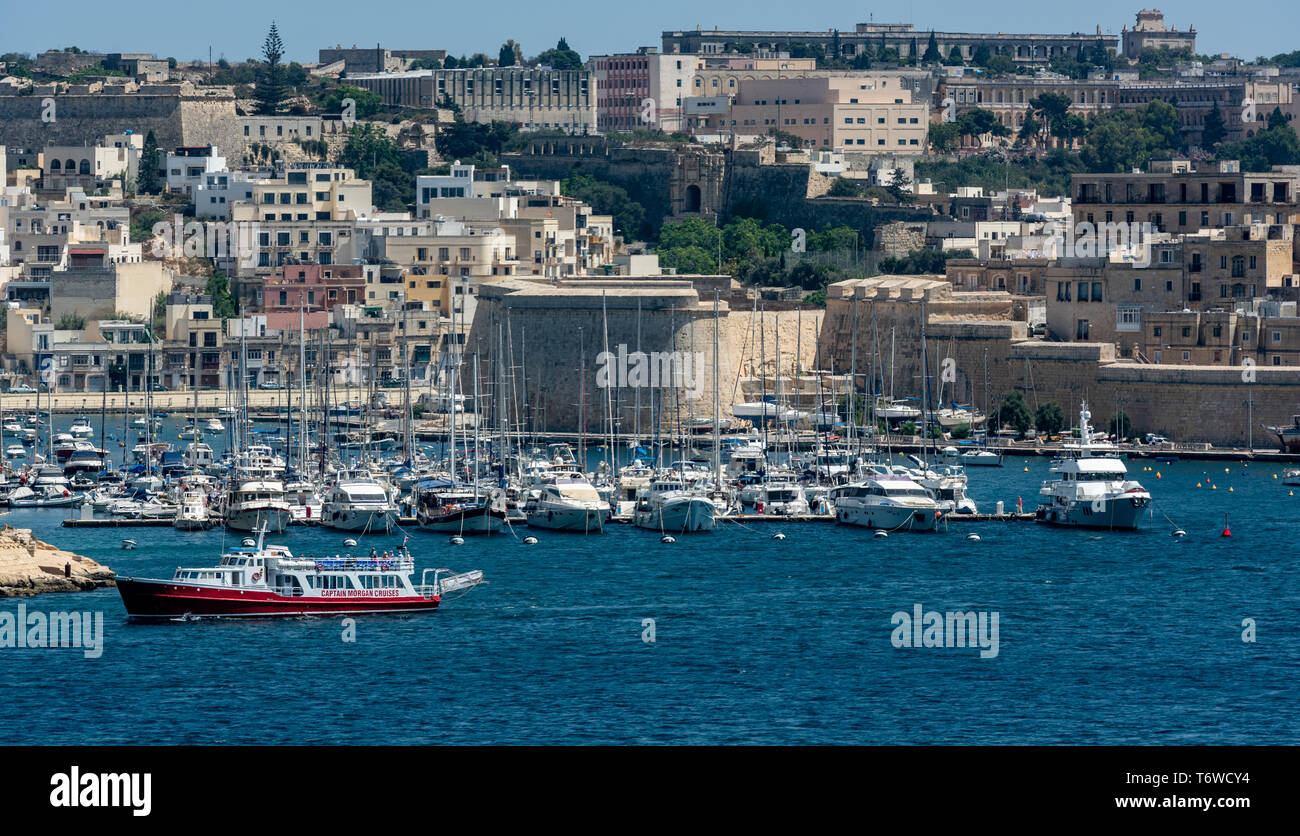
(271, 87)
(1214, 131)
(146, 178)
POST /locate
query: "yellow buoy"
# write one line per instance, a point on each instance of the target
(1274, 475)
(1026, 470)
(1157, 474)
(1225, 470)
(1230, 490)
(1198, 484)
(1214, 487)
(1290, 493)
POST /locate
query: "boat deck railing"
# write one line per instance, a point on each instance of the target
(363, 563)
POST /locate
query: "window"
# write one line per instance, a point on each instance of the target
(1155, 332)
(1187, 356)
(1129, 318)
(1187, 332)
(1277, 337)
(1081, 331)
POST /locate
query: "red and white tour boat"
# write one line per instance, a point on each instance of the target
(259, 580)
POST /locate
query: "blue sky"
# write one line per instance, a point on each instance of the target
(235, 28)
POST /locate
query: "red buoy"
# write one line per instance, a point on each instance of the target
(1227, 532)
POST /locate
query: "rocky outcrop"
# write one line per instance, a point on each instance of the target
(29, 566)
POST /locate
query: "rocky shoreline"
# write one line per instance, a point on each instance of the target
(29, 566)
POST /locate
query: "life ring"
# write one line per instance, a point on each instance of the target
(257, 576)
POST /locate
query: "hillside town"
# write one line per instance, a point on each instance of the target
(1080, 214)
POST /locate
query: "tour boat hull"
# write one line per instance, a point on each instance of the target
(145, 598)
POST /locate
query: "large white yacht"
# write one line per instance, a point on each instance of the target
(886, 501)
(357, 502)
(670, 505)
(255, 502)
(1089, 487)
(566, 501)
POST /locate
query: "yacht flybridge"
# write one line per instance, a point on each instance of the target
(1089, 486)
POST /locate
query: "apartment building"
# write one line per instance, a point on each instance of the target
(443, 270)
(186, 168)
(194, 340)
(625, 82)
(217, 191)
(861, 114)
(1110, 299)
(116, 156)
(1178, 196)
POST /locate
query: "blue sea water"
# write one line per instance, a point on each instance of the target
(1105, 638)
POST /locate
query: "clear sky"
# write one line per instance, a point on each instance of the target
(235, 28)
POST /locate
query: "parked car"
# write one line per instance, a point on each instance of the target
(267, 385)
(1152, 438)
(21, 389)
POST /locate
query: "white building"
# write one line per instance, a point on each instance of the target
(187, 166)
(217, 190)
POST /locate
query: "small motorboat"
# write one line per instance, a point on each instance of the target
(50, 496)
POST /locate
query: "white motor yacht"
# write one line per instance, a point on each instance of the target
(891, 502)
(566, 502)
(1088, 486)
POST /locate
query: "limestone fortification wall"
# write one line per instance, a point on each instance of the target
(552, 336)
(175, 119)
(1186, 403)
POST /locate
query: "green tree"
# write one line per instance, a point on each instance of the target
(1050, 109)
(1049, 418)
(980, 57)
(900, 185)
(607, 199)
(561, 57)
(1274, 146)
(367, 102)
(1215, 130)
(70, 322)
(1000, 65)
(147, 179)
(844, 187)
(944, 137)
(931, 55)
(271, 88)
(1276, 119)
(510, 54)
(223, 304)
(1014, 412)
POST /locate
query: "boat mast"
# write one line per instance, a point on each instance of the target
(717, 440)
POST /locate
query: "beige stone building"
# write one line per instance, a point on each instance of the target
(1177, 196)
(861, 114)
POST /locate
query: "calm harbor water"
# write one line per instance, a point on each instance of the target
(1106, 638)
